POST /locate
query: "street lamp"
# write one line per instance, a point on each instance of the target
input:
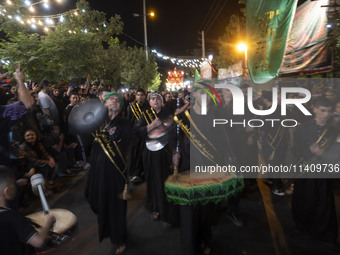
(152, 14)
(243, 48)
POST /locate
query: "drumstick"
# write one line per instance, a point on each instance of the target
(37, 181)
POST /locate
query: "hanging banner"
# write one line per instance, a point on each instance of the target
(306, 44)
(268, 24)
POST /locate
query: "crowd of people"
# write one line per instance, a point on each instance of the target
(36, 137)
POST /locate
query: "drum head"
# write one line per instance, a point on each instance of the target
(65, 219)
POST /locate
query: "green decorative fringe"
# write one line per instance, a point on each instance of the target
(203, 194)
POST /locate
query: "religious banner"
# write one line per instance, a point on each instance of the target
(306, 44)
(268, 24)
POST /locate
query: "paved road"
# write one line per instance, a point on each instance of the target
(267, 231)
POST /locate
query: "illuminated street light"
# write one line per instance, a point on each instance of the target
(151, 14)
(242, 47)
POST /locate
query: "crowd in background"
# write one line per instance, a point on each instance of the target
(42, 142)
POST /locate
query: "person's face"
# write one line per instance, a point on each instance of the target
(74, 99)
(167, 97)
(113, 103)
(140, 97)
(56, 92)
(30, 136)
(322, 113)
(155, 102)
(103, 95)
(35, 97)
(13, 90)
(337, 108)
(180, 95)
(330, 96)
(55, 130)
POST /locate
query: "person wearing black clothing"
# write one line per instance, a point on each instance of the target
(313, 200)
(59, 102)
(107, 176)
(157, 163)
(134, 114)
(18, 237)
(196, 221)
(275, 139)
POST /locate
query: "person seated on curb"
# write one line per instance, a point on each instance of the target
(34, 155)
(17, 234)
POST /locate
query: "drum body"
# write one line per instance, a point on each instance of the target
(180, 189)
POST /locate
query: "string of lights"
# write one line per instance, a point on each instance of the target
(9, 10)
(13, 11)
(193, 63)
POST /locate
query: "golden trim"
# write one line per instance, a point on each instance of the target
(97, 139)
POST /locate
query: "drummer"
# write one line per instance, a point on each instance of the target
(195, 221)
(156, 163)
(17, 234)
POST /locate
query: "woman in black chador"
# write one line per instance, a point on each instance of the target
(107, 177)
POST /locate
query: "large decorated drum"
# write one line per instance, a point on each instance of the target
(181, 189)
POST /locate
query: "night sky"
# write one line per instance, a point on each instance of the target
(174, 29)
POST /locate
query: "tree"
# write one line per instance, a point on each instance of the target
(24, 49)
(82, 46)
(110, 63)
(139, 72)
(70, 50)
(234, 33)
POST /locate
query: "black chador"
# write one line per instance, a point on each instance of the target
(134, 114)
(313, 201)
(107, 179)
(156, 166)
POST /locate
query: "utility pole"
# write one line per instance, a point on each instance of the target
(203, 45)
(145, 31)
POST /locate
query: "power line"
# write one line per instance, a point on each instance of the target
(218, 14)
(133, 39)
(212, 15)
(206, 16)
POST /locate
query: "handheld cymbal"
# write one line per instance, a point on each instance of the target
(87, 116)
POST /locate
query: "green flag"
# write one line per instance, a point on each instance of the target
(268, 24)
(197, 76)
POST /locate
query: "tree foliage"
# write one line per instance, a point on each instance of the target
(81, 46)
(138, 72)
(234, 33)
